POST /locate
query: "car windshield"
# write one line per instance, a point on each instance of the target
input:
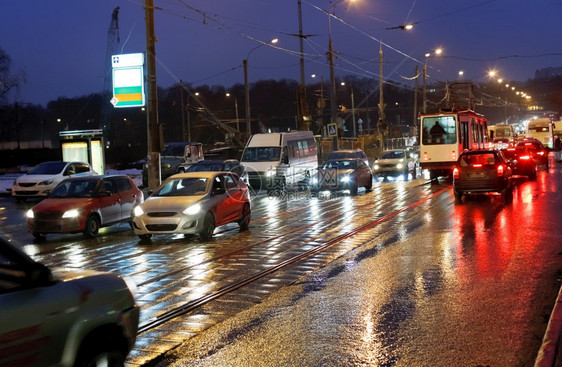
(484, 159)
(393, 155)
(339, 165)
(192, 186)
(75, 189)
(261, 154)
(48, 168)
(174, 150)
(205, 167)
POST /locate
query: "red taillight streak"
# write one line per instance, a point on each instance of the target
(524, 157)
(500, 170)
(455, 172)
(477, 165)
(540, 153)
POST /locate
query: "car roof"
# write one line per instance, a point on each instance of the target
(202, 174)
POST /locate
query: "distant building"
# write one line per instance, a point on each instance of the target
(547, 73)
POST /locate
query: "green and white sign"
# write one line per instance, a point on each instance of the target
(128, 80)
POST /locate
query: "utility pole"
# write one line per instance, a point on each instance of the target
(154, 146)
(332, 83)
(381, 99)
(303, 118)
(416, 97)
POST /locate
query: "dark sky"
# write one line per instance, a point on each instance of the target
(61, 45)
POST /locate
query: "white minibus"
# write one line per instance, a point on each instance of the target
(542, 130)
(275, 161)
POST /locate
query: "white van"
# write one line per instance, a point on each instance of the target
(276, 161)
(542, 130)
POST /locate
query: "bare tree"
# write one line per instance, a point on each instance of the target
(8, 81)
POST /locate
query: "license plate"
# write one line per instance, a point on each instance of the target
(477, 175)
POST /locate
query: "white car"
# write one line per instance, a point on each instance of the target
(43, 178)
(392, 163)
(63, 317)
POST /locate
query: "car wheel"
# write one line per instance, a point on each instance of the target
(369, 185)
(246, 216)
(102, 354)
(458, 196)
(208, 227)
(354, 188)
(145, 237)
(39, 236)
(92, 225)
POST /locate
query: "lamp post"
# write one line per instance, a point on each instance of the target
(247, 86)
(236, 108)
(427, 56)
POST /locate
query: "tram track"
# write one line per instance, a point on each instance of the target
(200, 301)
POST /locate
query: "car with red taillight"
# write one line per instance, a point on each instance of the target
(521, 162)
(482, 171)
(537, 150)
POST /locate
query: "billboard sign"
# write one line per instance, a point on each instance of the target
(128, 80)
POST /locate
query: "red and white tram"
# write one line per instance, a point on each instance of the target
(445, 135)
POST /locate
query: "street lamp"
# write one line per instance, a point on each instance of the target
(236, 108)
(247, 86)
(437, 52)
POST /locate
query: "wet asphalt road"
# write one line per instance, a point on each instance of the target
(411, 279)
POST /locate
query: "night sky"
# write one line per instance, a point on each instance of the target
(61, 45)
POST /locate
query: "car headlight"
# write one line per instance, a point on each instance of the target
(192, 210)
(46, 182)
(314, 180)
(399, 165)
(376, 166)
(137, 211)
(72, 213)
(30, 214)
(345, 178)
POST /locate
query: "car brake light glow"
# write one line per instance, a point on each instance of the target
(456, 172)
(540, 153)
(524, 157)
(500, 170)
(477, 165)
(528, 144)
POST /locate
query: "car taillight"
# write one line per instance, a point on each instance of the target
(456, 172)
(500, 170)
(524, 157)
(477, 165)
(453, 155)
(540, 153)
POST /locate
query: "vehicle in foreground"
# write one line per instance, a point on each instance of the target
(393, 163)
(85, 204)
(194, 203)
(521, 162)
(537, 150)
(343, 174)
(43, 178)
(63, 317)
(482, 171)
(348, 153)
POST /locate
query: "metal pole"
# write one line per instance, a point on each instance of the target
(247, 95)
(353, 113)
(332, 82)
(416, 97)
(182, 112)
(424, 103)
(154, 147)
(236, 107)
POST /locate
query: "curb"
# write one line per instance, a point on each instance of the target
(548, 355)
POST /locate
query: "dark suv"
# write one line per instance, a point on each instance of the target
(480, 171)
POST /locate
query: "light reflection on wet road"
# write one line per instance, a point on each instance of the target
(425, 282)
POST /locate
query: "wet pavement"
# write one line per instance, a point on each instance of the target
(397, 276)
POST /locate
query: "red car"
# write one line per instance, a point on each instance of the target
(537, 149)
(521, 162)
(85, 204)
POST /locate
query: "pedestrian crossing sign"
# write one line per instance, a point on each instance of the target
(332, 130)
